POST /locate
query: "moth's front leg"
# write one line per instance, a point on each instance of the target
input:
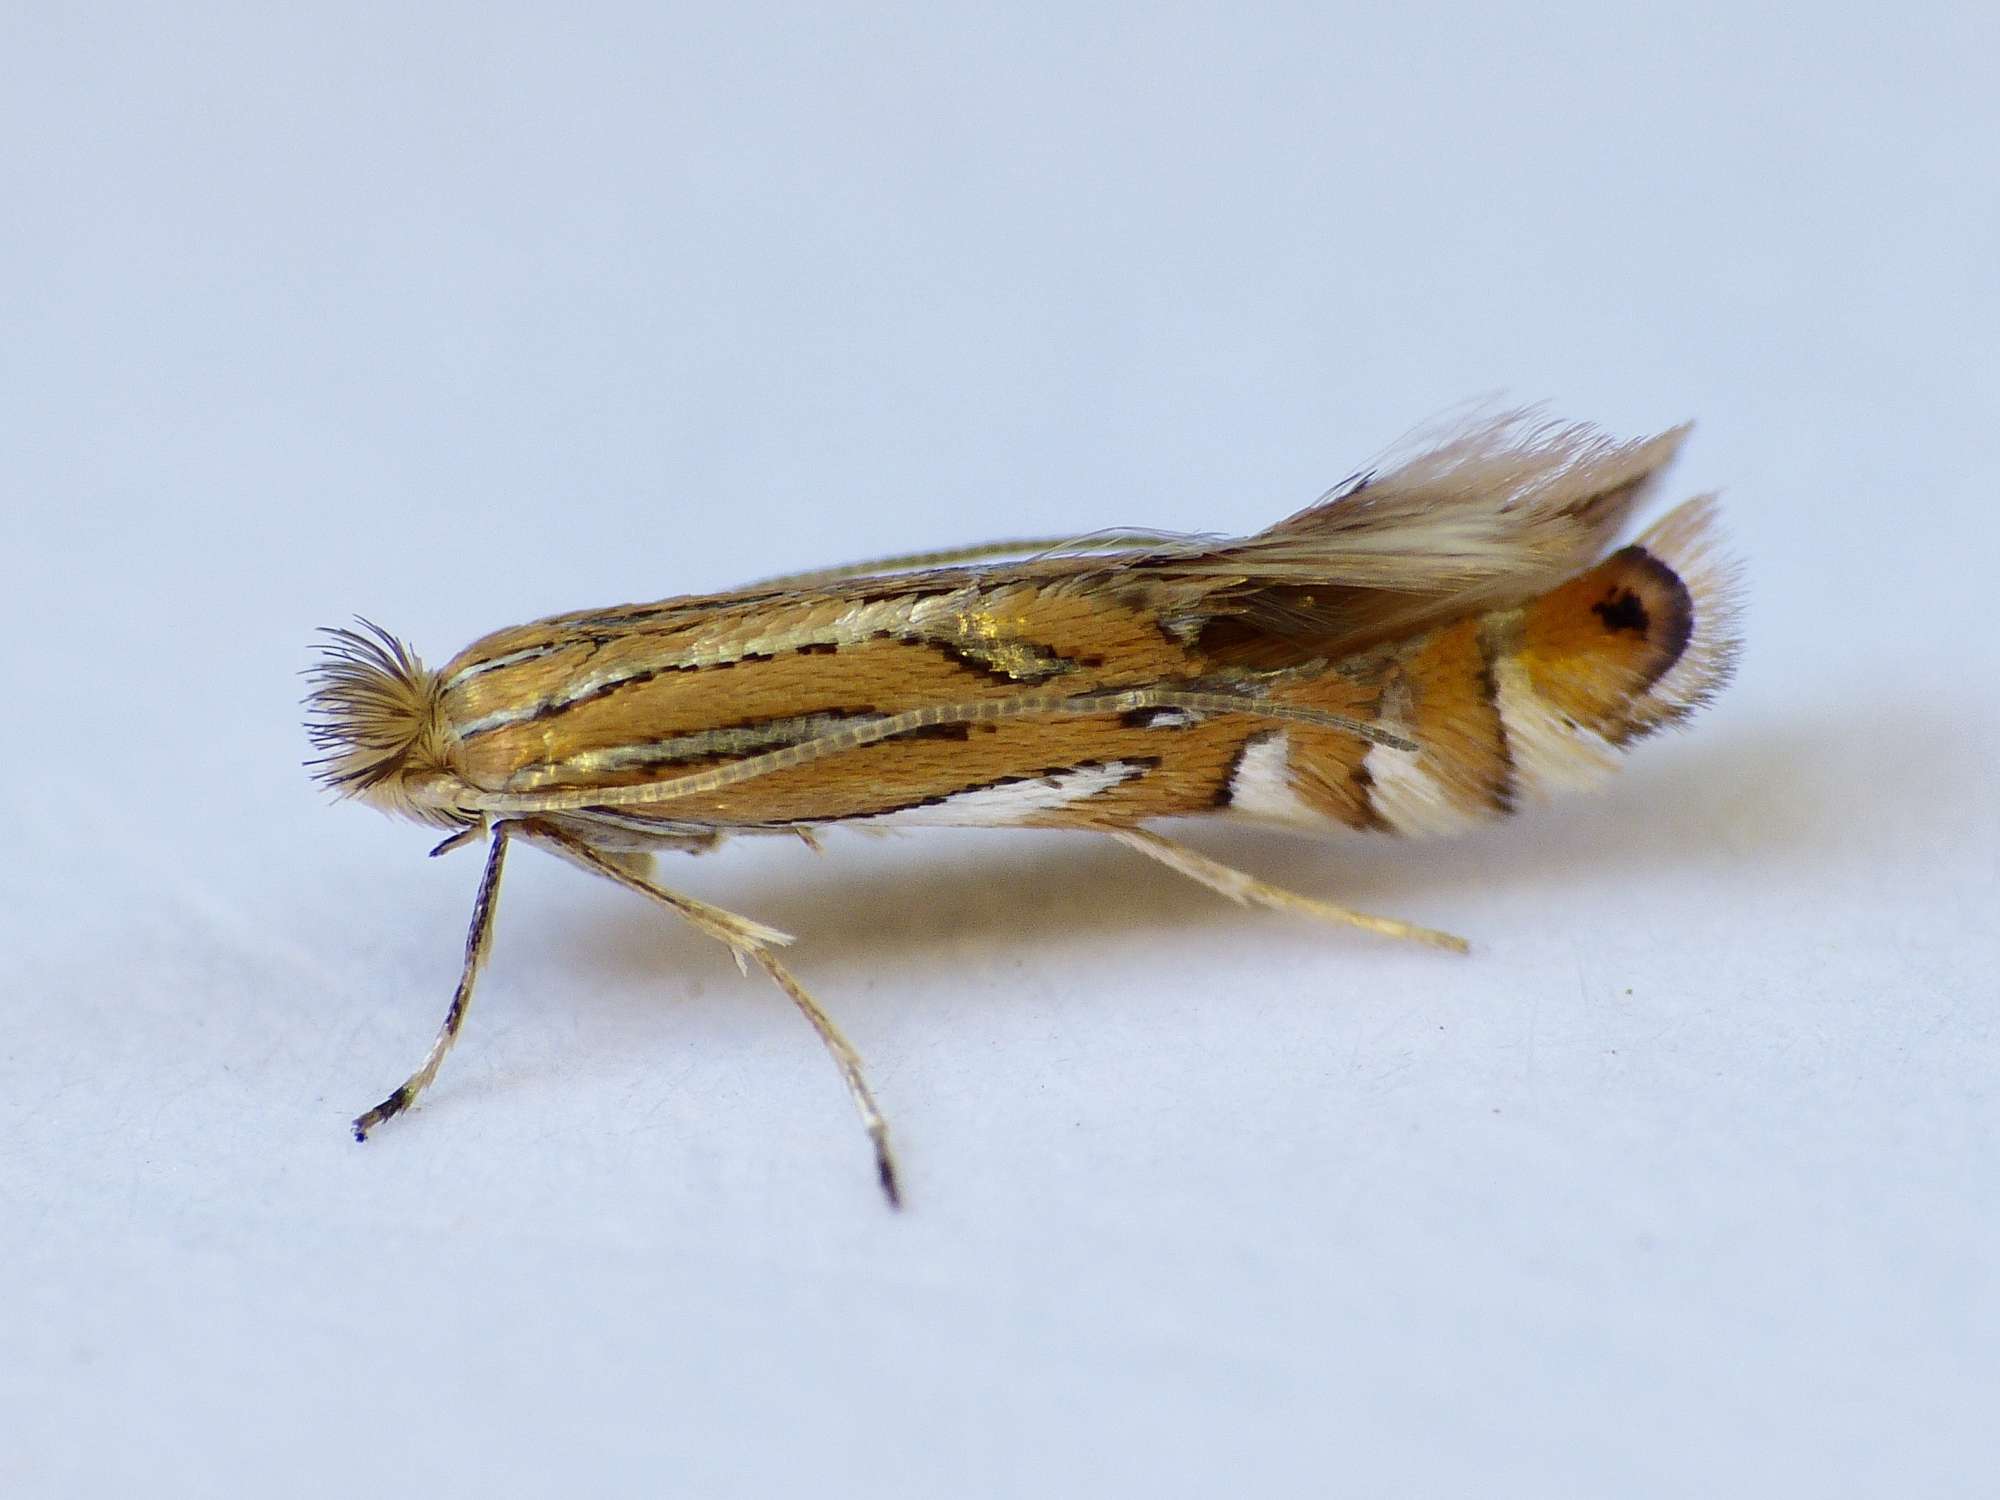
(478, 940)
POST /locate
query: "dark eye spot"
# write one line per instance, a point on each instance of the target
(1621, 609)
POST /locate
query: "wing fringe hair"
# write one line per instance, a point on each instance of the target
(1493, 514)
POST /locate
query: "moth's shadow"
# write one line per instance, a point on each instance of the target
(919, 899)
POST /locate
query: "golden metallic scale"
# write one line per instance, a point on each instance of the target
(1420, 650)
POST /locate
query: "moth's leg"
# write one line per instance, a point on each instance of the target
(478, 939)
(634, 862)
(1250, 891)
(849, 1062)
(750, 942)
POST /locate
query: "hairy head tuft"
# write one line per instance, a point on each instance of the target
(372, 715)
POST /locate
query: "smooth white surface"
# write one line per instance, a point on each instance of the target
(1685, 1181)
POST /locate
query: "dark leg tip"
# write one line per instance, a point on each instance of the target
(891, 1189)
(390, 1107)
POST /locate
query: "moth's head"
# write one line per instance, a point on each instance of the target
(373, 715)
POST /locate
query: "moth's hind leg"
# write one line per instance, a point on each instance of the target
(750, 942)
(1250, 891)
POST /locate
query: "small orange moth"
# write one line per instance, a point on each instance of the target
(1419, 650)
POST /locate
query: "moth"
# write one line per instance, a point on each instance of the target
(1424, 648)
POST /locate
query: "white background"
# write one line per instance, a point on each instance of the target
(1685, 1180)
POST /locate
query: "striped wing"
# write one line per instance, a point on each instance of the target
(647, 694)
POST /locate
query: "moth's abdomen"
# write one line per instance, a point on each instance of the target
(1517, 704)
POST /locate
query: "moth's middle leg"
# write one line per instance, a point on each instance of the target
(750, 942)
